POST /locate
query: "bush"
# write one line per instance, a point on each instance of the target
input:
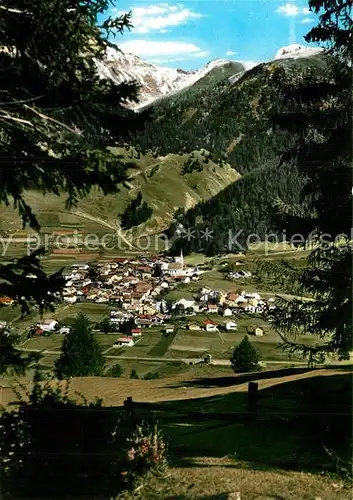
(151, 376)
(99, 453)
(114, 371)
(134, 374)
(245, 357)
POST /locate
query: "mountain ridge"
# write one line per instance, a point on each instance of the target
(160, 81)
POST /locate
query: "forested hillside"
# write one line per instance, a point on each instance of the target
(233, 120)
(245, 206)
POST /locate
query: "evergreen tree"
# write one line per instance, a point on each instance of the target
(137, 212)
(57, 119)
(105, 325)
(81, 353)
(115, 371)
(134, 374)
(245, 357)
(323, 152)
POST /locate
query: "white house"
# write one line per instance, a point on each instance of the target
(256, 330)
(194, 327)
(124, 342)
(64, 330)
(48, 325)
(231, 326)
(210, 326)
(227, 312)
(70, 299)
(184, 302)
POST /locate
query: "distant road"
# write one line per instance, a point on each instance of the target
(216, 362)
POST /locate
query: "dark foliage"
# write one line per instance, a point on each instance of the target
(81, 353)
(245, 357)
(55, 447)
(137, 212)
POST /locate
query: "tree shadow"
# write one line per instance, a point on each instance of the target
(294, 421)
(237, 379)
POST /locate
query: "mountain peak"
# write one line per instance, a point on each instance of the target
(295, 51)
(155, 81)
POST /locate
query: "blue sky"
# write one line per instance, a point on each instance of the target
(189, 34)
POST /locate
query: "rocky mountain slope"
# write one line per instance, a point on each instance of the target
(155, 81)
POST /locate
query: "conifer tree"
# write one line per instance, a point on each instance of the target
(58, 119)
(81, 353)
(245, 357)
(322, 122)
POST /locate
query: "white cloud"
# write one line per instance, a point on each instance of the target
(288, 9)
(158, 17)
(291, 10)
(145, 48)
(230, 53)
(306, 20)
(201, 53)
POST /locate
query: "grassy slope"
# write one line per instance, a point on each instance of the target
(162, 185)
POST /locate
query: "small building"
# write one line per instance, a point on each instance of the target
(227, 312)
(70, 299)
(231, 326)
(124, 342)
(64, 330)
(6, 301)
(169, 329)
(212, 308)
(48, 325)
(255, 330)
(136, 332)
(194, 327)
(210, 326)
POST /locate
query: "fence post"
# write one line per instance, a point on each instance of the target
(252, 398)
(129, 410)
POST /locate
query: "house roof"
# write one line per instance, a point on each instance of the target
(175, 265)
(209, 322)
(5, 300)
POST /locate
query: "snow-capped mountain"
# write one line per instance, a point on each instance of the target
(296, 51)
(156, 81)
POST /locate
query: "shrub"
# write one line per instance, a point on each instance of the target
(134, 374)
(151, 376)
(114, 371)
(245, 357)
(100, 452)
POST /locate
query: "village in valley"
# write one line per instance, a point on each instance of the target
(140, 302)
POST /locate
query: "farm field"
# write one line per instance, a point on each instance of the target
(182, 344)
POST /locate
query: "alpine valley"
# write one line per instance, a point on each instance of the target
(208, 155)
